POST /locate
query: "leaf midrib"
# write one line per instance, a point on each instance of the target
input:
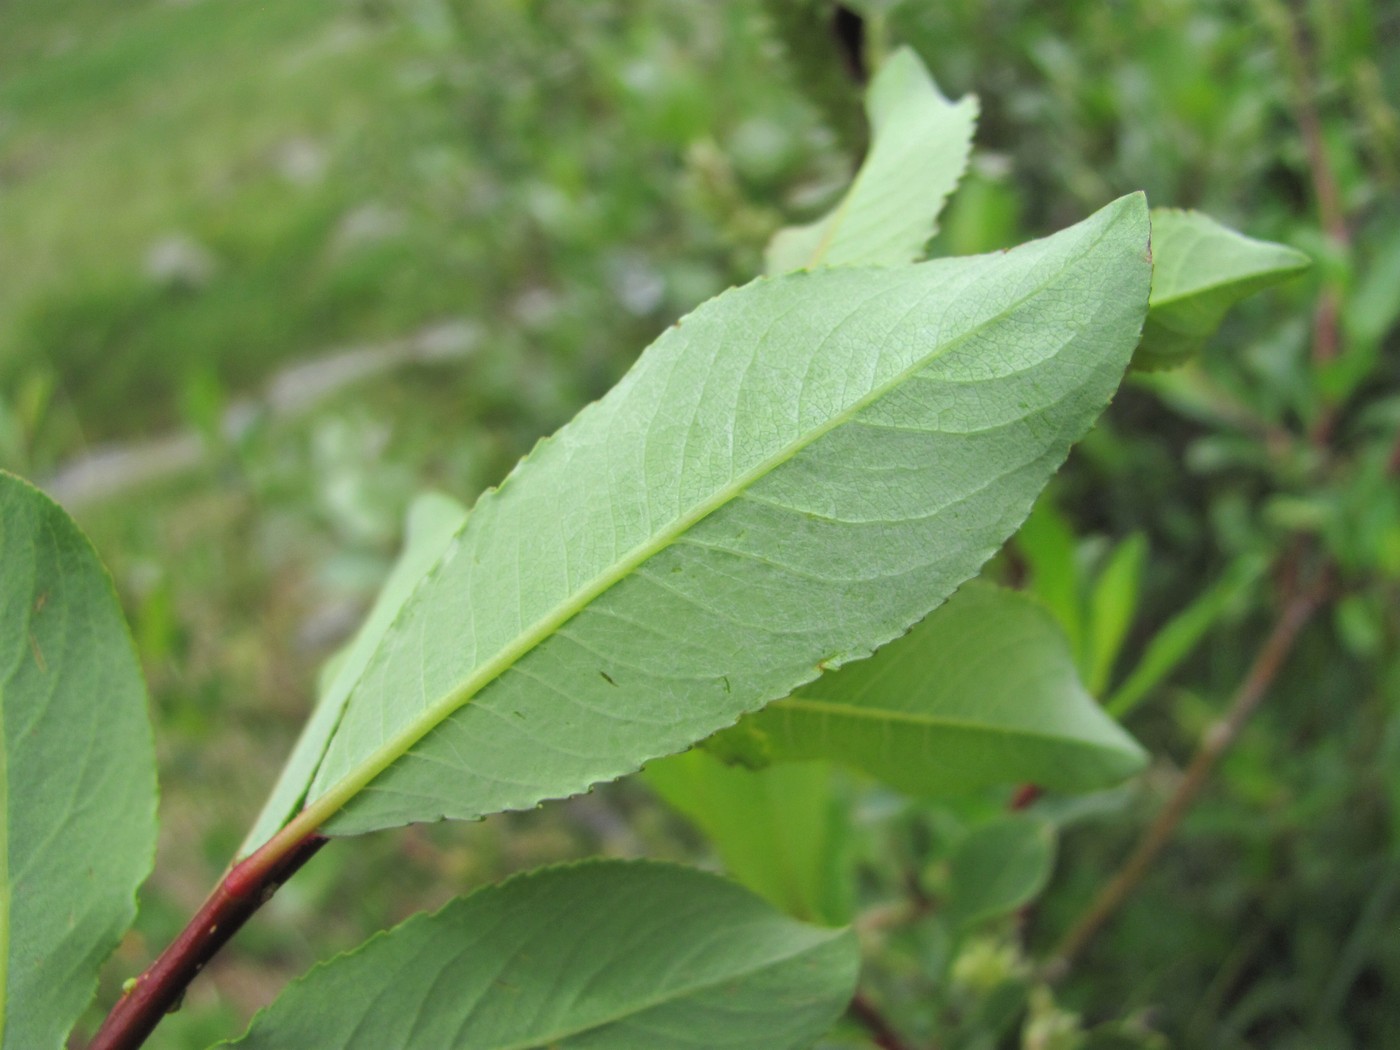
(836, 709)
(340, 792)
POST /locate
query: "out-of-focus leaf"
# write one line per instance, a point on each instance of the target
(606, 955)
(1047, 544)
(998, 867)
(1174, 642)
(433, 520)
(919, 147)
(1200, 269)
(786, 480)
(1112, 605)
(779, 830)
(77, 770)
(984, 691)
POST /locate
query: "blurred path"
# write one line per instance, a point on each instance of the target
(114, 469)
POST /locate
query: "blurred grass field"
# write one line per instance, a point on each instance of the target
(196, 196)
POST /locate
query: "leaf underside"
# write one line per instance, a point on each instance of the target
(919, 148)
(786, 480)
(77, 770)
(600, 956)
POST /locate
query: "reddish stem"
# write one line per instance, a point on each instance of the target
(881, 1031)
(246, 887)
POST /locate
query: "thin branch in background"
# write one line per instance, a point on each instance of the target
(881, 1032)
(1326, 341)
(1297, 610)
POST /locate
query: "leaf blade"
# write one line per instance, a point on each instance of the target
(1202, 268)
(983, 692)
(432, 520)
(632, 633)
(599, 955)
(919, 148)
(77, 799)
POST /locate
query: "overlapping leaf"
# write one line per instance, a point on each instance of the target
(77, 770)
(433, 520)
(1201, 269)
(984, 691)
(919, 148)
(785, 481)
(781, 830)
(601, 956)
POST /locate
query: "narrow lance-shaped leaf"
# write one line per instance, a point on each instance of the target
(785, 481)
(984, 691)
(602, 956)
(433, 520)
(919, 147)
(77, 770)
(1201, 269)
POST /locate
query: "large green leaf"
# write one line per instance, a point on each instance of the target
(781, 830)
(433, 520)
(984, 691)
(786, 480)
(1201, 269)
(602, 956)
(919, 147)
(77, 770)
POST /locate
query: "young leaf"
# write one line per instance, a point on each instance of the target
(1047, 545)
(433, 520)
(1200, 270)
(782, 831)
(785, 481)
(983, 692)
(77, 770)
(606, 955)
(919, 148)
(999, 867)
(1174, 642)
(1112, 605)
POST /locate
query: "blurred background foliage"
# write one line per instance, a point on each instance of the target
(267, 270)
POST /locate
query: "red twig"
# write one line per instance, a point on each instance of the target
(1297, 610)
(247, 886)
(869, 1015)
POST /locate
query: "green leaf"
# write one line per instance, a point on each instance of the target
(786, 480)
(1174, 642)
(1200, 270)
(433, 520)
(1112, 606)
(983, 692)
(1047, 544)
(77, 770)
(998, 867)
(781, 831)
(601, 956)
(919, 149)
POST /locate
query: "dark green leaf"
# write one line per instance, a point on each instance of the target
(983, 692)
(601, 956)
(78, 790)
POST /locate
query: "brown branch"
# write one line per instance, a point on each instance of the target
(1297, 610)
(246, 887)
(881, 1031)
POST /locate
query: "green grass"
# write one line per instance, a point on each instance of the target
(178, 120)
